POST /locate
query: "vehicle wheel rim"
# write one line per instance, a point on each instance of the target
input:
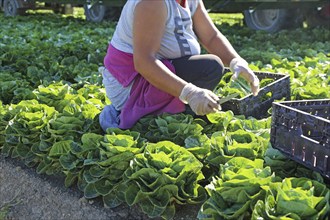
(95, 11)
(265, 18)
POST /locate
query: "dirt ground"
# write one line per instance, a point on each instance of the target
(29, 195)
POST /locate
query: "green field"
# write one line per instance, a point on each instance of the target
(51, 95)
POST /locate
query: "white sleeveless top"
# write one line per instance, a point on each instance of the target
(179, 38)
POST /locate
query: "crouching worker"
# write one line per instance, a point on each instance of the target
(154, 63)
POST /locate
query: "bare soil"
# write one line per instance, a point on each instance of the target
(29, 195)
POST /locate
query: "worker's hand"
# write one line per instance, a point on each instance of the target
(201, 101)
(239, 66)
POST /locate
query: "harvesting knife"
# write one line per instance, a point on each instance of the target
(227, 98)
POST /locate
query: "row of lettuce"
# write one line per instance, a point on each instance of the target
(51, 96)
(227, 165)
(40, 51)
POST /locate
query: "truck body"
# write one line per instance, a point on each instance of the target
(267, 15)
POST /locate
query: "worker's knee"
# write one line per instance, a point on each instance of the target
(217, 67)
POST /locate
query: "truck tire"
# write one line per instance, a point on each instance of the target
(95, 13)
(11, 8)
(99, 12)
(272, 20)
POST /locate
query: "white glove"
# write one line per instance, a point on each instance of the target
(240, 66)
(201, 101)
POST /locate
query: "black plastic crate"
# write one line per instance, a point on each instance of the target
(301, 130)
(258, 106)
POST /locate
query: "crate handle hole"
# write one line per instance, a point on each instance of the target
(303, 154)
(314, 159)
